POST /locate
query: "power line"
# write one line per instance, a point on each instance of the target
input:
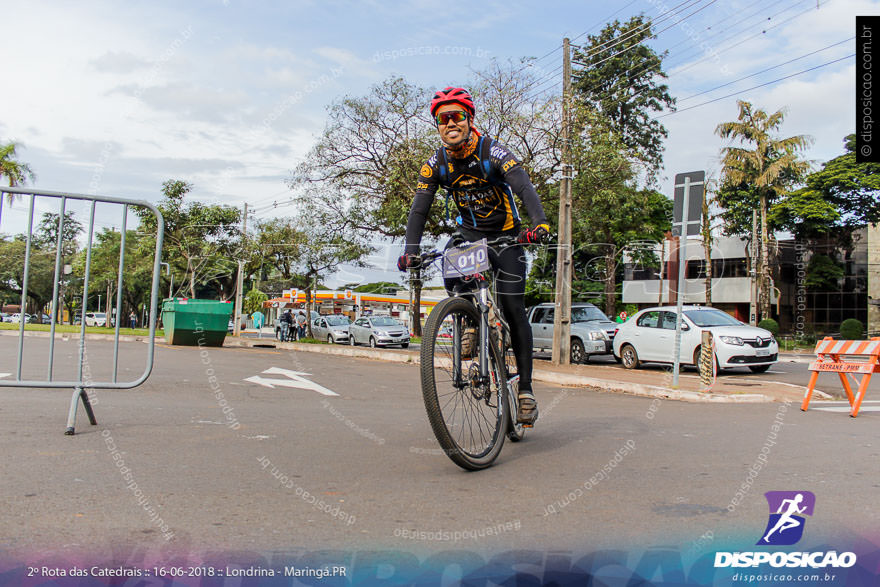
(758, 86)
(732, 46)
(767, 69)
(641, 69)
(762, 32)
(541, 83)
(611, 43)
(655, 34)
(607, 19)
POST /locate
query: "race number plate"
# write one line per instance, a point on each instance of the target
(464, 261)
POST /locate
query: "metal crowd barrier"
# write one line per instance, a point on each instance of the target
(79, 384)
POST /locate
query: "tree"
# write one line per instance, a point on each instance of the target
(253, 301)
(40, 274)
(709, 188)
(622, 77)
(201, 241)
(13, 171)
(329, 241)
(525, 122)
(769, 169)
(823, 273)
(275, 248)
(839, 197)
(610, 215)
(366, 164)
(46, 237)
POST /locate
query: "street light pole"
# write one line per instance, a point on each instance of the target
(236, 328)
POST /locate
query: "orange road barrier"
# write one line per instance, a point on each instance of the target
(828, 353)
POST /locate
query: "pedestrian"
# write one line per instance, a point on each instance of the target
(286, 326)
(132, 320)
(301, 325)
(258, 318)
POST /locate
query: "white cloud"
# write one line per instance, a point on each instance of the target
(118, 62)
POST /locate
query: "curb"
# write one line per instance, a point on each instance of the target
(76, 336)
(401, 356)
(545, 375)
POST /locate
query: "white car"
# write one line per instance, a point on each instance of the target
(16, 318)
(96, 319)
(332, 328)
(378, 331)
(649, 337)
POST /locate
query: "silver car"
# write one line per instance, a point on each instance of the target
(378, 331)
(332, 328)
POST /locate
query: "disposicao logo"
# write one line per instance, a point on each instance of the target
(786, 524)
(785, 527)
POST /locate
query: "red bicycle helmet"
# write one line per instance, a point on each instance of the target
(453, 95)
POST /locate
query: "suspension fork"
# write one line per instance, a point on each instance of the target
(456, 352)
(483, 307)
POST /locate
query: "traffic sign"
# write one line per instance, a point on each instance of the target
(696, 180)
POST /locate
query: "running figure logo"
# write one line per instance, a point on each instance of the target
(786, 524)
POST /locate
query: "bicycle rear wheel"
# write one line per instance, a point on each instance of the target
(465, 413)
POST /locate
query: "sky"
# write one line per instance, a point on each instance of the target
(115, 98)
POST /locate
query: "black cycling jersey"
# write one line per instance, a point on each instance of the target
(485, 204)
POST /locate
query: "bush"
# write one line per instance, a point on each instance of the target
(852, 329)
(769, 324)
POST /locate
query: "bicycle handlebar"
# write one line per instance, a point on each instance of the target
(430, 256)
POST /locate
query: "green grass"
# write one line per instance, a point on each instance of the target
(76, 329)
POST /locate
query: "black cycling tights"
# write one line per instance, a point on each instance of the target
(509, 265)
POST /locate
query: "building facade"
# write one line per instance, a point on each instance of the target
(815, 287)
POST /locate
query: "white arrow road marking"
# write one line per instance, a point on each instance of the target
(296, 380)
(2, 375)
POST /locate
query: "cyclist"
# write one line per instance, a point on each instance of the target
(482, 175)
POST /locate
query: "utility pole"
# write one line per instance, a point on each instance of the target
(753, 274)
(562, 317)
(236, 328)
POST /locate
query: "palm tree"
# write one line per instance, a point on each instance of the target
(12, 171)
(771, 167)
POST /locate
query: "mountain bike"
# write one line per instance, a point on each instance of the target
(468, 369)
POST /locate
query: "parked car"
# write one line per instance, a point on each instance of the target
(332, 328)
(592, 332)
(96, 319)
(378, 331)
(649, 336)
(16, 318)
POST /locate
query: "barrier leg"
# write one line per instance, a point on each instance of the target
(863, 388)
(846, 388)
(87, 404)
(79, 393)
(809, 392)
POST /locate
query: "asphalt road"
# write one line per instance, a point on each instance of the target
(230, 464)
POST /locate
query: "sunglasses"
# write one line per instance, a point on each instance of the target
(454, 116)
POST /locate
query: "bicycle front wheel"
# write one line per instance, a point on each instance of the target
(464, 409)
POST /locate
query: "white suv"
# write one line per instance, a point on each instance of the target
(96, 319)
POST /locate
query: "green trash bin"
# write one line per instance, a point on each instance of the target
(195, 322)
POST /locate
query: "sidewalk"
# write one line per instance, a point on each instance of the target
(649, 382)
